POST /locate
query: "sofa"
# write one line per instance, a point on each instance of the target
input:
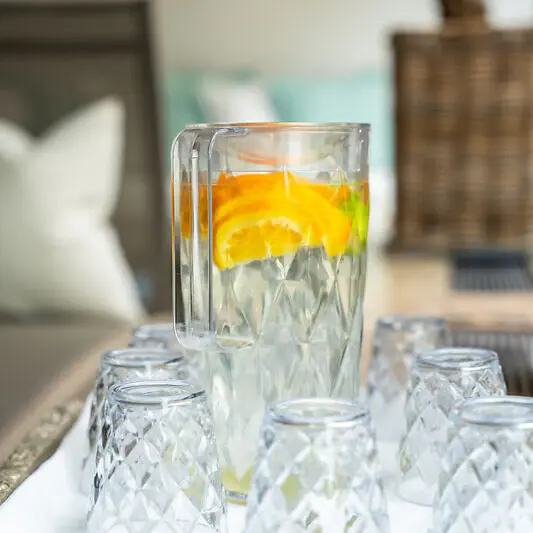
(55, 59)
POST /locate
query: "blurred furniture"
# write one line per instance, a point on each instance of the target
(46, 364)
(56, 57)
(58, 194)
(464, 134)
(491, 271)
(360, 96)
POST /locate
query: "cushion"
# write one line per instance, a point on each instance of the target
(59, 252)
(181, 97)
(227, 101)
(365, 96)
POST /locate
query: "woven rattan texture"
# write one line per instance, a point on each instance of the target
(464, 138)
(514, 350)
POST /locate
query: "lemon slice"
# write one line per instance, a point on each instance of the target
(259, 235)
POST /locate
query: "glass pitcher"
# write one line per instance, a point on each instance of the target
(269, 262)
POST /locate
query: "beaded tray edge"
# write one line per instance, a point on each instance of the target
(38, 445)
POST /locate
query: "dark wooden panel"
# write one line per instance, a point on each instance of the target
(464, 135)
(515, 350)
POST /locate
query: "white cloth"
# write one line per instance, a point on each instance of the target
(49, 501)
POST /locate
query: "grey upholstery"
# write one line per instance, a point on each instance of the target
(57, 56)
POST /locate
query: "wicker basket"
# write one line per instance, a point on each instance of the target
(464, 134)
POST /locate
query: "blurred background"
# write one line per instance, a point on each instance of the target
(148, 69)
(93, 92)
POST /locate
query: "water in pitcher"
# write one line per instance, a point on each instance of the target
(289, 257)
(272, 260)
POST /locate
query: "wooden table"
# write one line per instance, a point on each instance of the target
(400, 284)
(407, 284)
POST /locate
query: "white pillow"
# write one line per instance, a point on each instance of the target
(225, 101)
(382, 208)
(58, 249)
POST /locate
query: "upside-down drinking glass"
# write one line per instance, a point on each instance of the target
(486, 478)
(440, 380)
(316, 470)
(163, 335)
(270, 231)
(156, 468)
(126, 365)
(396, 340)
(160, 335)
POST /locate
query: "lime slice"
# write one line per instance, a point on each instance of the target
(356, 206)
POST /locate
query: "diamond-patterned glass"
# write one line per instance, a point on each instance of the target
(127, 364)
(271, 224)
(316, 470)
(155, 336)
(440, 380)
(243, 381)
(396, 340)
(163, 335)
(486, 479)
(156, 464)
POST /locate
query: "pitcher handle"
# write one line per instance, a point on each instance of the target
(201, 321)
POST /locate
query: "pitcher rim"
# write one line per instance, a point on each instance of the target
(310, 127)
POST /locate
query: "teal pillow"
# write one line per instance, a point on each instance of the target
(362, 97)
(180, 104)
(180, 97)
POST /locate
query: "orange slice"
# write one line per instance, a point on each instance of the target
(261, 226)
(256, 216)
(266, 232)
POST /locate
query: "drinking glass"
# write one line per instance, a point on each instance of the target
(155, 336)
(156, 468)
(270, 231)
(126, 365)
(316, 470)
(440, 380)
(486, 479)
(396, 341)
(163, 335)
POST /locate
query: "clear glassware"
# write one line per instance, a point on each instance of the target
(242, 381)
(270, 235)
(486, 478)
(156, 468)
(163, 335)
(396, 340)
(440, 380)
(155, 336)
(120, 365)
(316, 470)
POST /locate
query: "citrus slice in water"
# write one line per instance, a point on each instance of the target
(276, 221)
(259, 234)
